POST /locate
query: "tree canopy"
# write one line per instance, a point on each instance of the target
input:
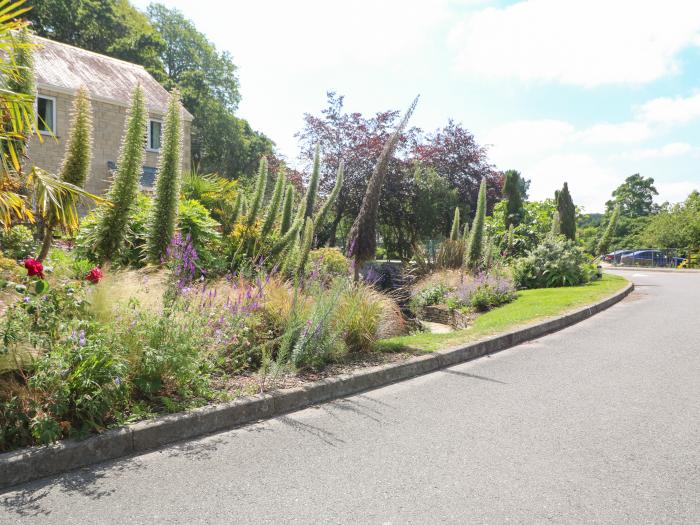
(635, 197)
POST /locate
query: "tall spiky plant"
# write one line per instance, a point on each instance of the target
(313, 184)
(604, 244)
(330, 201)
(122, 193)
(75, 166)
(273, 208)
(454, 234)
(465, 232)
(306, 241)
(286, 221)
(556, 224)
(259, 193)
(76, 163)
(163, 218)
(362, 239)
(237, 206)
(476, 239)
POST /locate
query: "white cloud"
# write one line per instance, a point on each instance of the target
(525, 138)
(665, 110)
(588, 180)
(624, 132)
(675, 191)
(581, 42)
(674, 149)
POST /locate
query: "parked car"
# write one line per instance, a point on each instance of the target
(614, 257)
(650, 258)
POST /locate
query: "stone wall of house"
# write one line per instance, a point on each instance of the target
(108, 127)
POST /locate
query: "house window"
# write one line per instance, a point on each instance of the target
(154, 132)
(46, 114)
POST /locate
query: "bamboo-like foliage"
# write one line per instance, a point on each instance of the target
(362, 239)
(259, 193)
(332, 197)
(454, 234)
(76, 163)
(122, 193)
(313, 184)
(604, 244)
(163, 220)
(286, 221)
(273, 208)
(476, 239)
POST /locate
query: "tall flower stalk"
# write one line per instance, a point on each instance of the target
(164, 216)
(113, 220)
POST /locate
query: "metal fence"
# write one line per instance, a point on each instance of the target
(654, 258)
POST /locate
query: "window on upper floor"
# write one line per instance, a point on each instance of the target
(46, 114)
(154, 133)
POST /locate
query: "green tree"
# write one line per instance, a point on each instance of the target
(362, 239)
(512, 193)
(476, 238)
(164, 216)
(604, 244)
(635, 197)
(432, 205)
(567, 213)
(110, 27)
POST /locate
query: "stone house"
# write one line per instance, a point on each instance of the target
(60, 71)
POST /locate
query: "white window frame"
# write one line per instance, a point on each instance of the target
(53, 115)
(148, 135)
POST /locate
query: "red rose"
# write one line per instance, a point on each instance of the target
(34, 267)
(94, 275)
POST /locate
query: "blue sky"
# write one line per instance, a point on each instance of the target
(584, 91)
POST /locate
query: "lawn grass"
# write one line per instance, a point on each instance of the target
(530, 306)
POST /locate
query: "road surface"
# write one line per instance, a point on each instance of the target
(597, 423)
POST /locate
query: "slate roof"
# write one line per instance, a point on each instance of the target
(66, 68)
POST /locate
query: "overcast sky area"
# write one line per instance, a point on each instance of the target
(584, 91)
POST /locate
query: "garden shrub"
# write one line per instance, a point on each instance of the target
(431, 295)
(195, 221)
(328, 263)
(557, 261)
(17, 242)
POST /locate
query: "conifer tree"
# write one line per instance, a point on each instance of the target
(604, 244)
(313, 184)
(122, 193)
(287, 211)
(163, 219)
(76, 163)
(476, 239)
(273, 208)
(514, 200)
(259, 192)
(567, 213)
(454, 234)
(362, 239)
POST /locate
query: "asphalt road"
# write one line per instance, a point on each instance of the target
(597, 423)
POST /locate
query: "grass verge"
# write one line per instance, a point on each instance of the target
(530, 306)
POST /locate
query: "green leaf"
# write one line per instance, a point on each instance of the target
(41, 287)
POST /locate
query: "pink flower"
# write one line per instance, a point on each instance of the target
(94, 275)
(34, 267)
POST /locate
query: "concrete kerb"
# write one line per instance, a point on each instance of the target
(38, 462)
